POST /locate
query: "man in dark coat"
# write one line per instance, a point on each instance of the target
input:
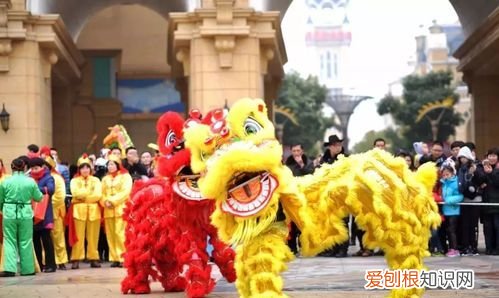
(298, 162)
(334, 147)
(133, 165)
(300, 165)
(488, 179)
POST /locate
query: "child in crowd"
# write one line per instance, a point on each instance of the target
(451, 209)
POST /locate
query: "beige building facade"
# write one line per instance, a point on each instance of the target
(69, 70)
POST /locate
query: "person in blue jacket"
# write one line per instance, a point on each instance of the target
(451, 209)
(41, 231)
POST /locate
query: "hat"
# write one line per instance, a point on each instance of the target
(114, 158)
(100, 162)
(84, 160)
(45, 150)
(465, 152)
(49, 161)
(153, 146)
(333, 139)
(37, 161)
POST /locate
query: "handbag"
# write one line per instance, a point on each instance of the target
(40, 208)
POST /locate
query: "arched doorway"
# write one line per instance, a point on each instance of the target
(125, 80)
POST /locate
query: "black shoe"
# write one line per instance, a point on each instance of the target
(95, 264)
(28, 274)
(341, 254)
(467, 253)
(49, 270)
(495, 252)
(327, 254)
(75, 265)
(62, 267)
(7, 274)
(379, 253)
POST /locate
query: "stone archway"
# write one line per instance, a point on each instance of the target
(76, 13)
(125, 51)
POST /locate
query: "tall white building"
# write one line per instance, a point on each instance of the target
(328, 39)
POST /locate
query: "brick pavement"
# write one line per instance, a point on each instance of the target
(307, 277)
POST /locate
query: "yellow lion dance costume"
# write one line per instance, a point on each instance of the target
(256, 196)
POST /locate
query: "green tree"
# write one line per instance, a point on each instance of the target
(418, 92)
(393, 141)
(305, 99)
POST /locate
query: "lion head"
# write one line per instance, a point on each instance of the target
(174, 159)
(240, 161)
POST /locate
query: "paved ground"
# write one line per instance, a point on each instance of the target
(307, 277)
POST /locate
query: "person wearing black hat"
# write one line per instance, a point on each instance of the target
(334, 147)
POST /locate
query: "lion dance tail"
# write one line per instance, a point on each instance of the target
(393, 205)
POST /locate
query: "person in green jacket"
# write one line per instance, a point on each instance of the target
(16, 193)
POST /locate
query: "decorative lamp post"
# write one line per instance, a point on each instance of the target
(4, 119)
(344, 105)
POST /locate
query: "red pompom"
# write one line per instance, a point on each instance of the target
(195, 114)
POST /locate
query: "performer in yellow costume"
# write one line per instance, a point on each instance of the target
(85, 213)
(116, 188)
(59, 208)
(240, 162)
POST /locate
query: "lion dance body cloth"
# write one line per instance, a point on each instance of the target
(256, 196)
(168, 225)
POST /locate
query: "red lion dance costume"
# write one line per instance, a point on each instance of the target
(168, 223)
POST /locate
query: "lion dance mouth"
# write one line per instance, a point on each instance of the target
(186, 185)
(249, 193)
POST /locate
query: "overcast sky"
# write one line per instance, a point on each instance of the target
(383, 34)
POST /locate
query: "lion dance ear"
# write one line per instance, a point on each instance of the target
(168, 121)
(427, 174)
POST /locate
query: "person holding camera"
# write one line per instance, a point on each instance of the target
(489, 181)
(470, 214)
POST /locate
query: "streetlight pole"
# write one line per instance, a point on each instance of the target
(344, 105)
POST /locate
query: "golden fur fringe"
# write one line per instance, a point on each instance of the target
(259, 264)
(393, 205)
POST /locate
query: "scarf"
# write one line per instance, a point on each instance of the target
(37, 175)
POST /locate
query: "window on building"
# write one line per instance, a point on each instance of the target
(104, 77)
(322, 66)
(328, 62)
(335, 63)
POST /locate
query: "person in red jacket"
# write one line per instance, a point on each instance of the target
(436, 247)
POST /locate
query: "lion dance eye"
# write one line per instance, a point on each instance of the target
(204, 156)
(171, 138)
(251, 126)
